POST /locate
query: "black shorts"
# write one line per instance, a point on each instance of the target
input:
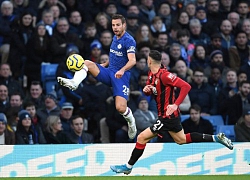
(162, 125)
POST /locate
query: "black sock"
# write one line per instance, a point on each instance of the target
(198, 137)
(136, 154)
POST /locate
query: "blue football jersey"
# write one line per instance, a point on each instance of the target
(119, 49)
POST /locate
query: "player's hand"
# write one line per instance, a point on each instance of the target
(119, 74)
(147, 88)
(171, 108)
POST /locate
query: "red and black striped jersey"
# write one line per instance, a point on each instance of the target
(164, 83)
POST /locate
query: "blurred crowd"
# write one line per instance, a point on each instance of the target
(204, 42)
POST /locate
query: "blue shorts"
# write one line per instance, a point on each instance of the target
(120, 86)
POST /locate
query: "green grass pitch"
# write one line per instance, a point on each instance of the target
(195, 177)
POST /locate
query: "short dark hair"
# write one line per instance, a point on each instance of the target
(75, 117)
(182, 33)
(119, 16)
(155, 55)
(244, 82)
(196, 107)
(28, 104)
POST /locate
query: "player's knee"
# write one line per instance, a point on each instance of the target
(121, 108)
(141, 138)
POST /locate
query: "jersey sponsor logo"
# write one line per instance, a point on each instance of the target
(131, 49)
(117, 53)
(119, 46)
(171, 76)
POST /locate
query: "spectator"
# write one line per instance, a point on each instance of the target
(90, 34)
(16, 100)
(76, 23)
(23, 6)
(144, 34)
(191, 9)
(51, 107)
(95, 51)
(226, 30)
(182, 71)
(239, 54)
(4, 98)
(31, 108)
(46, 4)
(164, 11)
(201, 3)
(147, 10)
(144, 48)
(132, 24)
(196, 34)
(174, 54)
(102, 23)
(176, 7)
(199, 58)
(26, 133)
(110, 8)
(53, 131)
(143, 116)
(61, 39)
(7, 135)
(216, 44)
(77, 6)
(105, 40)
(241, 76)
(187, 49)
(243, 10)
(183, 19)
(196, 123)
(226, 7)
(104, 58)
(38, 52)
(215, 81)
(165, 60)
(66, 115)
(234, 18)
(228, 91)
(7, 79)
(216, 60)
(7, 17)
(77, 135)
(133, 8)
(246, 29)
(233, 107)
(12, 118)
(172, 35)
(214, 15)
(56, 12)
(161, 42)
(48, 20)
(202, 94)
(21, 33)
(140, 66)
(242, 127)
(157, 26)
(36, 94)
(201, 14)
(122, 7)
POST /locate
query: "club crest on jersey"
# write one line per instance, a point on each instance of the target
(119, 46)
(156, 81)
(154, 91)
(171, 76)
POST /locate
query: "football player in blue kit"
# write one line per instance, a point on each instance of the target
(117, 74)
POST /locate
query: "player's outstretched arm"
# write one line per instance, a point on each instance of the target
(131, 62)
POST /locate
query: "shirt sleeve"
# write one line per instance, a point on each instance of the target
(169, 79)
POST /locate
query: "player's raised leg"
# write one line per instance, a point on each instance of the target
(123, 109)
(194, 137)
(79, 76)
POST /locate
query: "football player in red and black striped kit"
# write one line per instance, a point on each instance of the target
(161, 84)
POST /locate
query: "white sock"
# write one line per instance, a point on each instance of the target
(129, 166)
(79, 76)
(128, 115)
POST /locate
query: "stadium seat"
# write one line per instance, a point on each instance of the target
(216, 121)
(228, 130)
(48, 77)
(185, 116)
